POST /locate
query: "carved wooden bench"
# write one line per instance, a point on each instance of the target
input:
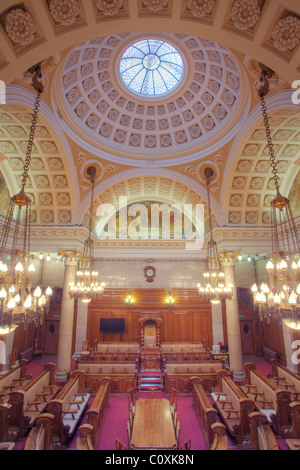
(84, 440)
(182, 357)
(5, 409)
(123, 376)
(68, 407)
(96, 413)
(233, 406)
(285, 379)
(292, 435)
(117, 348)
(41, 435)
(220, 441)
(269, 399)
(207, 415)
(179, 376)
(122, 357)
(262, 436)
(29, 402)
(15, 378)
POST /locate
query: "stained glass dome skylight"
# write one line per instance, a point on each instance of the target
(151, 67)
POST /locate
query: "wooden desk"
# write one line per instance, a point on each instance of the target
(150, 358)
(153, 425)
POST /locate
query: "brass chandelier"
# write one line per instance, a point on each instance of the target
(87, 288)
(214, 289)
(280, 298)
(19, 301)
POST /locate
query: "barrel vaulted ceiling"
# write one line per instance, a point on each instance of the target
(150, 149)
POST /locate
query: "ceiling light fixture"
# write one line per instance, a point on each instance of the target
(214, 289)
(280, 298)
(19, 301)
(87, 287)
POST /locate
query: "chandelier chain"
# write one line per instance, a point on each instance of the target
(92, 205)
(269, 142)
(31, 138)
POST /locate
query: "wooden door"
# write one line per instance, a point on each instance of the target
(51, 336)
(247, 337)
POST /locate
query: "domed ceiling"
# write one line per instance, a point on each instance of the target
(97, 105)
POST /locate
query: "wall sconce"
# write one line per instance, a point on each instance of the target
(130, 300)
(170, 301)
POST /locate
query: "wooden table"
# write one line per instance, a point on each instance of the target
(153, 425)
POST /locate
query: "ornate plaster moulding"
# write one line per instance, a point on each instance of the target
(99, 112)
(286, 34)
(155, 5)
(109, 7)
(64, 12)
(200, 9)
(20, 27)
(245, 14)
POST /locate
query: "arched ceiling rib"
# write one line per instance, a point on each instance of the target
(249, 187)
(268, 30)
(50, 184)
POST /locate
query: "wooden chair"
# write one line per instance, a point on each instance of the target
(153, 392)
(173, 400)
(129, 433)
(220, 441)
(186, 445)
(177, 430)
(132, 396)
(120, 445)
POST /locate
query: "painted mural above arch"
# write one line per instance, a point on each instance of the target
(149, 220)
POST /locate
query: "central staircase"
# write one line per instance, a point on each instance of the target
(149, 379)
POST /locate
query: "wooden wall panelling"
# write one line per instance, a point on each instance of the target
(249, 319)
(190, 322)
(273, 338)
(23, 338)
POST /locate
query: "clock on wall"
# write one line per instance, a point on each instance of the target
(149, 273)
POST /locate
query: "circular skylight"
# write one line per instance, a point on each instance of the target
(151, 67)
